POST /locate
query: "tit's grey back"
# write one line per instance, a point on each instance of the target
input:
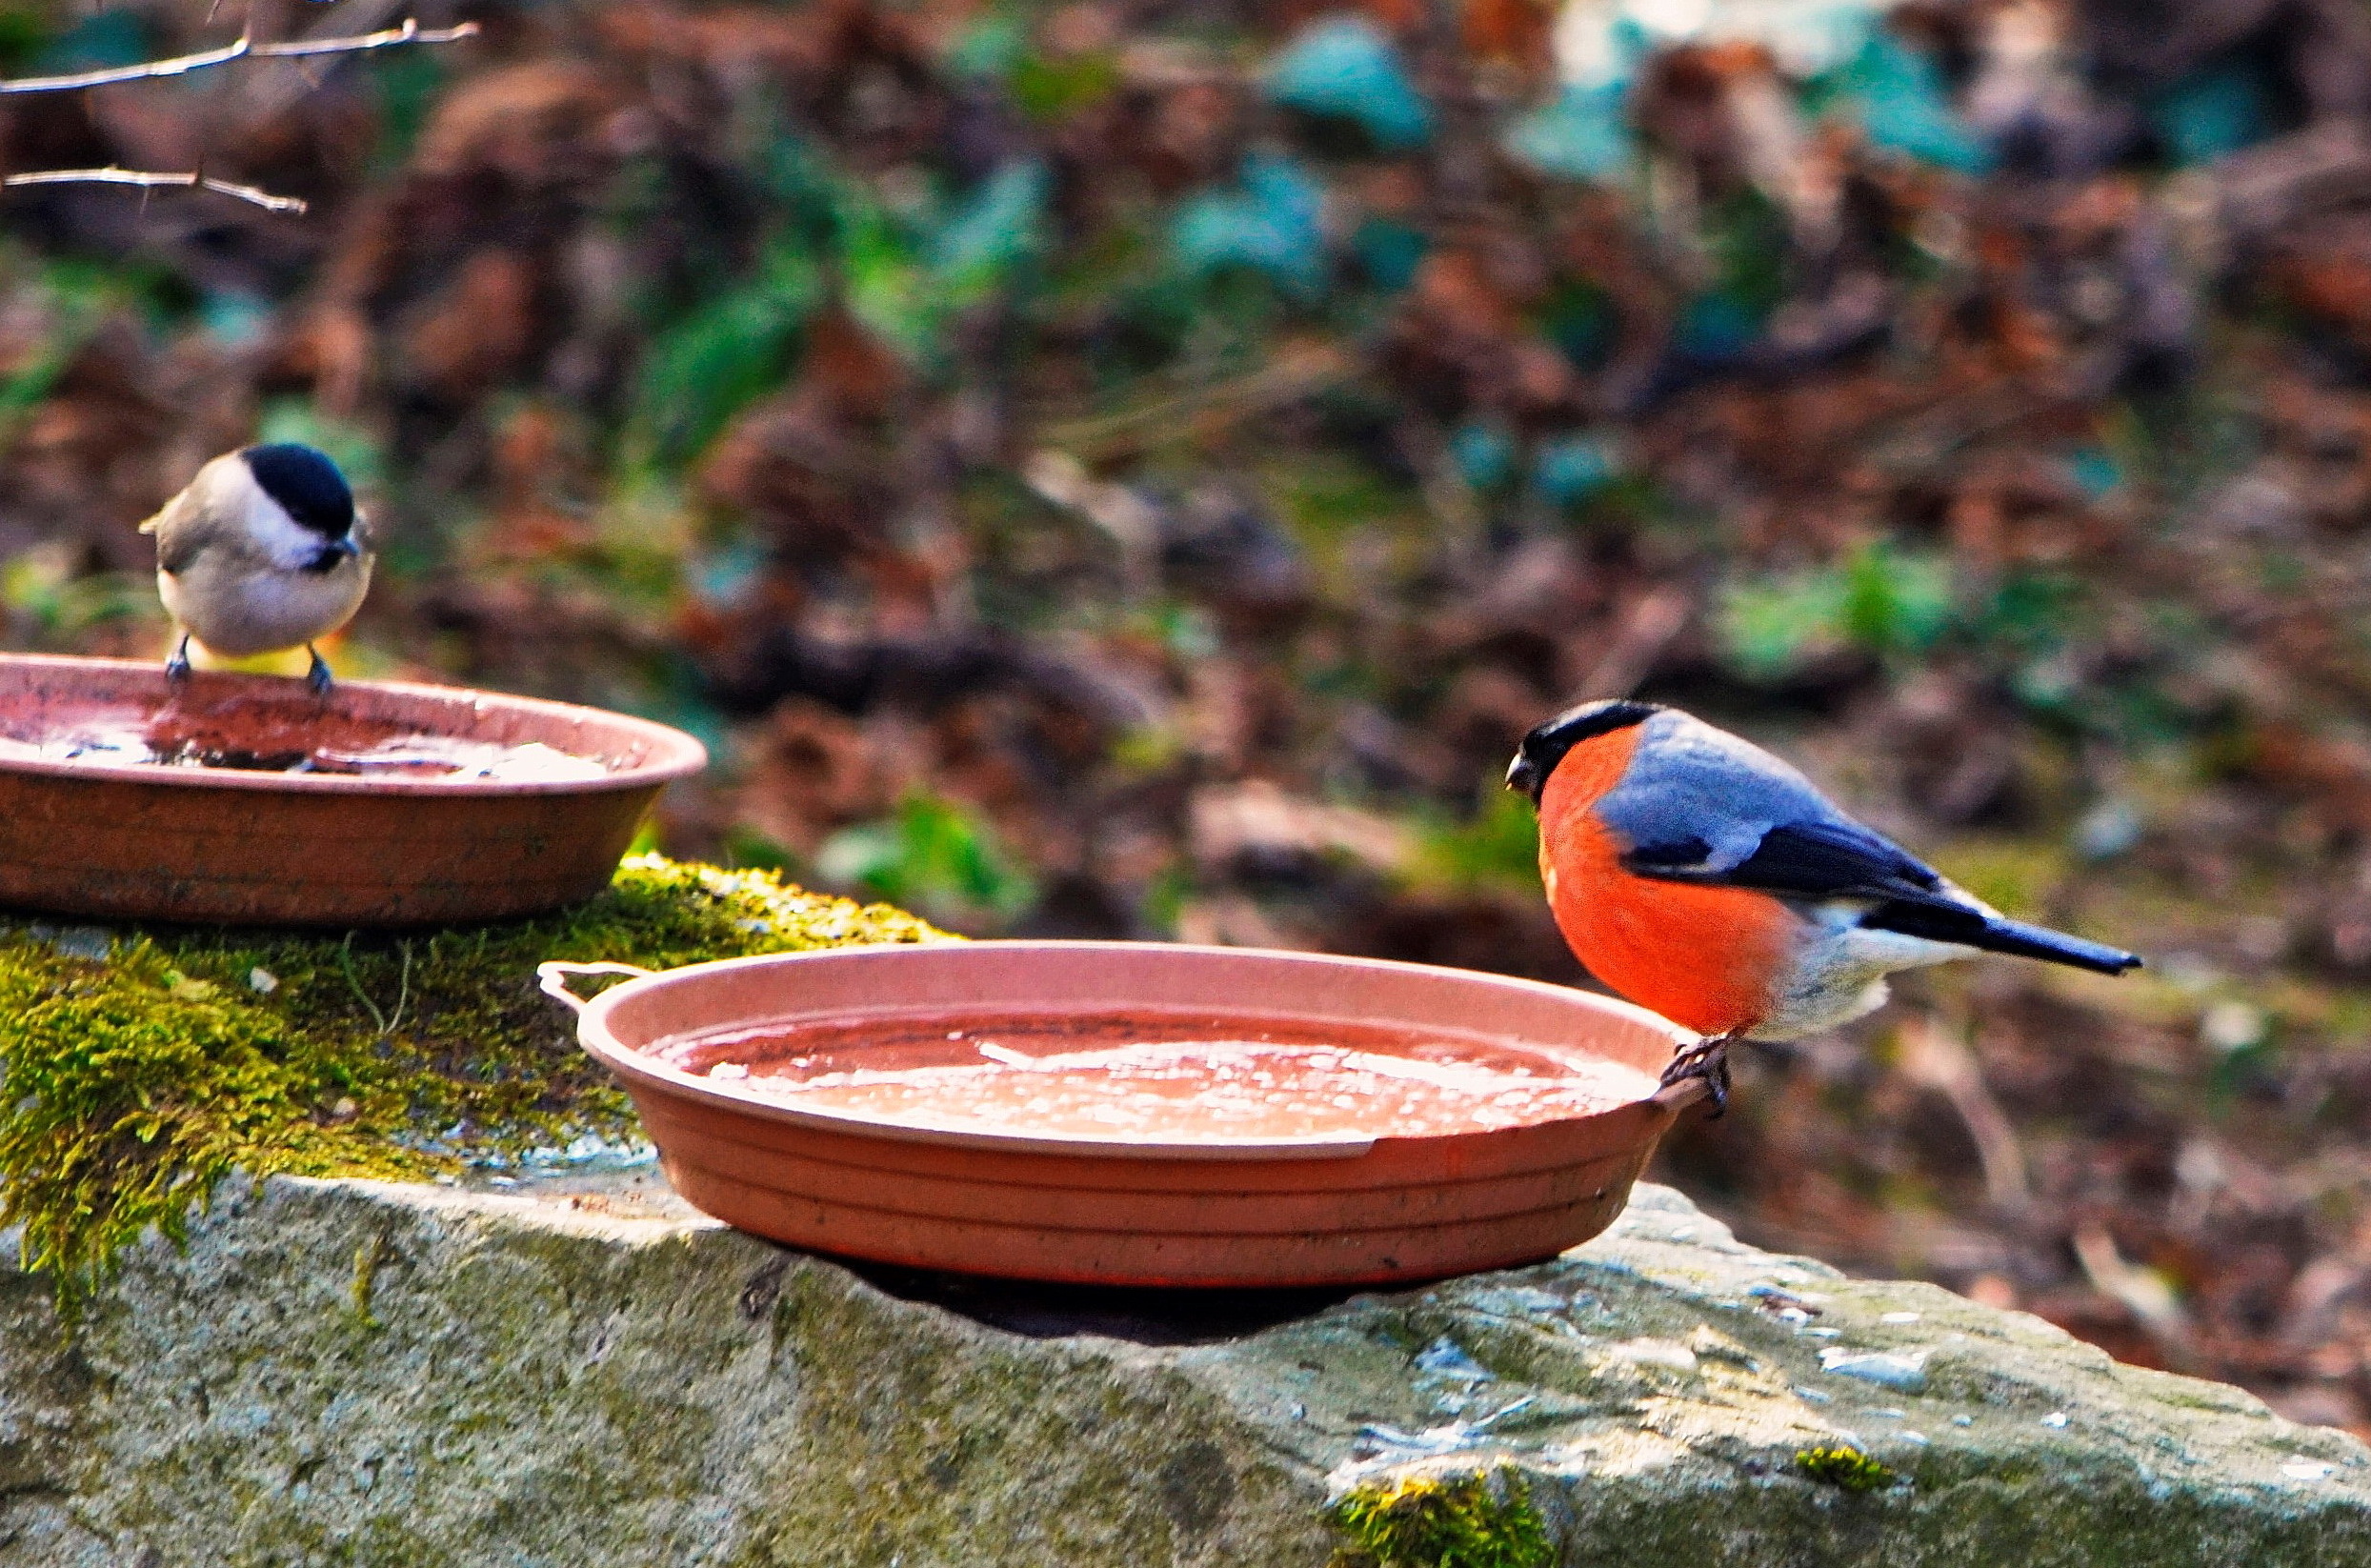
(211, 513)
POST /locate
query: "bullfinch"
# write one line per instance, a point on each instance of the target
(1698, 876)
(263, 551)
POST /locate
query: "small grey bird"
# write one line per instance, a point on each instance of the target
(263, 551)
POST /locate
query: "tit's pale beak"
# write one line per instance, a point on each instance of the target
(1523, 775)
(344, 545)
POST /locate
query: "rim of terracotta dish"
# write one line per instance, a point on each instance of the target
(593, 1033)
(672, 755)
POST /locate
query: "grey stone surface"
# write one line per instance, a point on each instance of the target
(367, 1374)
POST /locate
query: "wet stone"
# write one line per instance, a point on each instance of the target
(583, 1370)
(94, 943)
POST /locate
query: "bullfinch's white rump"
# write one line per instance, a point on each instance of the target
(263, 551)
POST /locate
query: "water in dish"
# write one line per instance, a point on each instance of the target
(1156, 1076)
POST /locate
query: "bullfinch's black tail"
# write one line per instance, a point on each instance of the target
(1996, 934)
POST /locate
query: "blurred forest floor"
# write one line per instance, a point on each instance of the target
(1137, 466)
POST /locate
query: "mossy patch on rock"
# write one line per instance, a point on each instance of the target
(139, 1066)
(1471, 1521)
(1844, 1467)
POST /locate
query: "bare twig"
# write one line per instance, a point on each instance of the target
(1295, 371)
(386, 1022)
(2143, 1291)
(410, 32)
(240, 48)
(150, 179)
(181, 66)
(1935, 1056)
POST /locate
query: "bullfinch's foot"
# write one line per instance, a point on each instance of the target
(1708, 1059)
(177, 667)
(318, 677)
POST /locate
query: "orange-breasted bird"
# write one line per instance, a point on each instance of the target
(1698, 876)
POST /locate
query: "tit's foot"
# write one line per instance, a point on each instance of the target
(177, 667)
(318, 677)
(1708, 1059)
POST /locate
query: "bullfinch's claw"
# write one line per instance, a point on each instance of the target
(318, 677)
(177, 667)
(1708, 1059)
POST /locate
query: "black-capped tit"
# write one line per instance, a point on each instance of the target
(263, 551)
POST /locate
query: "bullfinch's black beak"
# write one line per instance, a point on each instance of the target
(1523, 776)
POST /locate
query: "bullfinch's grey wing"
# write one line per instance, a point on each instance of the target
(1699, 804)
(1696, 802)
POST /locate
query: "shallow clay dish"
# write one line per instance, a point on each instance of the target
(1153, 1208)
(96, 835)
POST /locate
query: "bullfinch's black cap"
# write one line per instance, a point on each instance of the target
(1547, 743)
(306, 484)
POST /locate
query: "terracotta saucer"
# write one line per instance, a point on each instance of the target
(1162, 1206)
(250, 842)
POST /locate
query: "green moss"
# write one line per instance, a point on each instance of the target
(140, 1066)
(1471, 1520)
(1847, 1468)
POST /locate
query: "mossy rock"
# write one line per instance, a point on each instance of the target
(303, 1371)
(140, 1065)
(582, 1371)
